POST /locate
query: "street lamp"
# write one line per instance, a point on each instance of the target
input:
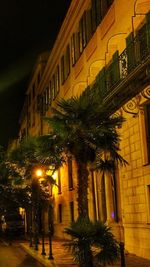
(30, 223)
(37, 173)
(43, 174)
(50, 231)
(40, 175)
(53, 174)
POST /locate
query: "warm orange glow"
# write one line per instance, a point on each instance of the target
(39, 173)
(54, 175)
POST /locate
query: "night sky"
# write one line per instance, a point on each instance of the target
(27, 27)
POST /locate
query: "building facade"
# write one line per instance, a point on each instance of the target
(104, 43)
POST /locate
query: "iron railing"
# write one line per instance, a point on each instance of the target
(135, 53)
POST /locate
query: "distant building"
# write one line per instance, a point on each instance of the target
(105, 42)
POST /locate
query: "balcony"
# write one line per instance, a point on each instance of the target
(128, 73)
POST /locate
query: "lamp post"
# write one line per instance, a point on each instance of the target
(43, 243)
(50, 231)
(121, 244)
(35, 193)
(39, 174)
(52, 174)
(30, 236)
(29, 220)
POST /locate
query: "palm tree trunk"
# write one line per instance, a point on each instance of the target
(82, 189)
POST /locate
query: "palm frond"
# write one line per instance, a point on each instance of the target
(93, 239)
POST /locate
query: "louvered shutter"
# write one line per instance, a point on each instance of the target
(130, 52)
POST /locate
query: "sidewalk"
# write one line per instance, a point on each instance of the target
(62, 258)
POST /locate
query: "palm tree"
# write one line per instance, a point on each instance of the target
(86, 131)
(92, 242)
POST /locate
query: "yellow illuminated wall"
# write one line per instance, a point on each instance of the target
(69, 72)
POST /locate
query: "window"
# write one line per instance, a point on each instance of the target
(47, 97)
(53, 88)
(38, 77)
(114, 196)
(59, 182)
(93, 14)
(143, 44)
(81, 35)
(88, 22)
(33, 115)
(103, 214)
(73, 49)
(62, 70)
(147, 124)
(50, 93)
(84, 26)
(70, 176)
(60, 213)
(98, 11)
(113, 71)
(82, 32)
(72, 211)
(39, 104)
(44, 102)
(148, 202)
(33, 91)
(67, 62)
(77, 46)
(42, 105)
(57, 80)
(105, 5)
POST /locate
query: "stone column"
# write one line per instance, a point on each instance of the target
(109, 198)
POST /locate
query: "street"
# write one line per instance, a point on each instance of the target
(14, 256)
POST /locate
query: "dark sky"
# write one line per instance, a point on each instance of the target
(27, 27)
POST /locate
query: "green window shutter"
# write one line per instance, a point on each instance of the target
(81, 35)
(101, 82)
(57, 79)
(88, 24)
(77, 47)
(104, 7)
(50, 92)
(98, 12)
(67, 61)
(115, 67)
(73, 49)
(93, 10)
(84, 30)
(148, 28)
(130, 51)
(109, 76)
(62, 70)
(147, 124)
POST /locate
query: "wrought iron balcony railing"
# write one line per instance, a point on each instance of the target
(123, 66)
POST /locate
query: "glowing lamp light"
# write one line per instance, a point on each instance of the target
(39, 172)
(54, 175)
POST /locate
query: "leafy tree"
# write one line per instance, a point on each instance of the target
(24, 160)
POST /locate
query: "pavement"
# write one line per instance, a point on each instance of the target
(62, 258)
